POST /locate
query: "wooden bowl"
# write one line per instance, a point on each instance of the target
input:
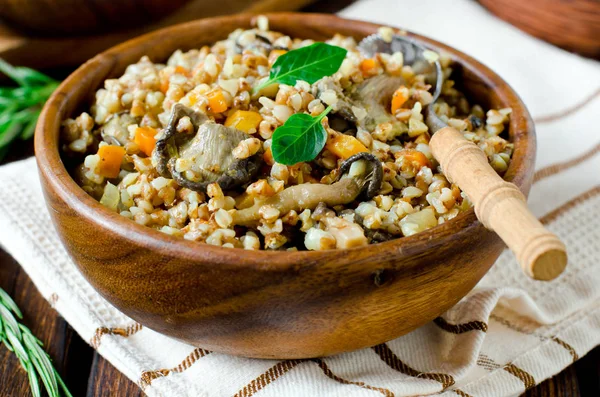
(260, 303)
(58, 17)
(570, 24)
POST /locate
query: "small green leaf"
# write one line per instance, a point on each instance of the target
(15, 343)
(301, 138)
(10, 323)
(310, 63)
(41, 361)
(34, 383)
(7, 301)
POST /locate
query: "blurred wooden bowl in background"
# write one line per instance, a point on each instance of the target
(570, 24)
(63, 17)
(44, 51)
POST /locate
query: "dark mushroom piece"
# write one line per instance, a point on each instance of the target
(261, 42)
(210, 152)
(373, 235)
(362, 181)
(115, 132)
(374, 95)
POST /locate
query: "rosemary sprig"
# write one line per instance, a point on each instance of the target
(18, 339)
(20, 106)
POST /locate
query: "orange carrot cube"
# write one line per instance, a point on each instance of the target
(369, 66)
(216, 101)
(111, 157)
(144, 138)
(345, 146)
(399, 98)
(244, 120)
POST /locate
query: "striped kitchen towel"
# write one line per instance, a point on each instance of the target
(509, 334)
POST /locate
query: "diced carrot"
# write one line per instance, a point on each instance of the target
(193, 97)
(368, 66)
(244, 120)
(164, 84)
(181, 70)
(111, 157)
(268, 157)
(345, 146)
(216, 101)
(399, 98)
(416, 158)
(274, 54)
(163, 77)
(144, 138)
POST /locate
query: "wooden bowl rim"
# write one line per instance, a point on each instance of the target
(52, 169)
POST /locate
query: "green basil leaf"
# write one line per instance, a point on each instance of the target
(301, 138)
(310, 63)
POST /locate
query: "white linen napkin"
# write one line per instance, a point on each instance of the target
(507, 335)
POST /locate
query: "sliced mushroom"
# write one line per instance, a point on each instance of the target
(360, 176)
(115, 130)
(373, 96)
(209, 153)
(374, 235)
(261, 43)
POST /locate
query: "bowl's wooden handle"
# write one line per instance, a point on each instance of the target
(499, 205)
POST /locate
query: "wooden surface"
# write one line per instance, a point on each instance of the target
(499, 205)
(88, 374)
(571, 24)
(274, 304)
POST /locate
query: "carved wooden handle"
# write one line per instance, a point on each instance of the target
(499, 205)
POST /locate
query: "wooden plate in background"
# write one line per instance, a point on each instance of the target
(43, 52)
(570, 24)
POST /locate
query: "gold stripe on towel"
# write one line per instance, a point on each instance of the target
(148, 376)
(490, 365)
(120, 331)
(525, 377)
(553, 215)
(487, 363)
(475, 325)
(390, 358)
(568, 111)
(333, 376)
(528, 327)
(461, 393)
(569, 348)
(267, 377)
(565, 165)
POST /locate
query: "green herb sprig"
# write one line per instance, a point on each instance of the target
(18, 339)
(309, 63)
(20, 106)
(301, 138)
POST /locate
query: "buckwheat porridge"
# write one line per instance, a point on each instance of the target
(241, 144)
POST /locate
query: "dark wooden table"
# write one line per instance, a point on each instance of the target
(86, 373)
